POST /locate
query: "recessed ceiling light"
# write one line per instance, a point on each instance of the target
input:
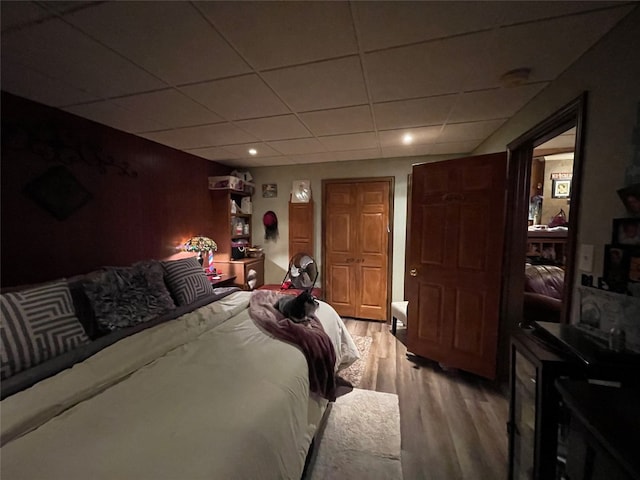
(407, 138)
(253, 151)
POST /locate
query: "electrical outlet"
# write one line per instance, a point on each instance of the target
(585, 258)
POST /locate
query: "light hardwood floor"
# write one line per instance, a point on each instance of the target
(453, 424)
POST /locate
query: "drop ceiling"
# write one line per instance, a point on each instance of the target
(300, 82)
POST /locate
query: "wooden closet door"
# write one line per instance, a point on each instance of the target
(356, 248)
(372, 258)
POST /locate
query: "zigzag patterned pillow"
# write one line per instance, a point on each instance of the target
(186, 280)
(37, 324)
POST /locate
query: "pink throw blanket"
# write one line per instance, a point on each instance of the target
(309, 337)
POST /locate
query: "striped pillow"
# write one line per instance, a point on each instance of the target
(37, 324)
(186, 280)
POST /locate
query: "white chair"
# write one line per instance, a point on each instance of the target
(398, 312)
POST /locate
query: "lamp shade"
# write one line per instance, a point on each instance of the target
(200, 244)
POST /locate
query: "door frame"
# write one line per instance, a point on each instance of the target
(520, 156)
(391, 182)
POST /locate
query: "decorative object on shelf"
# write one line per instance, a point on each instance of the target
(602, 311)
(270, 221)
(58, 192)
(301, 191)
(269, 190)
(626, 231)
(201, 244)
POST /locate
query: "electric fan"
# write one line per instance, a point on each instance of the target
(302, 272)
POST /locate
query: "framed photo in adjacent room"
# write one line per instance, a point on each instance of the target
(561, 189)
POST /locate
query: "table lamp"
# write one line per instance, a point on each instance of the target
(201, 244)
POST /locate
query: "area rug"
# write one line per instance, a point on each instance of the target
(353, 374)
(361, 439)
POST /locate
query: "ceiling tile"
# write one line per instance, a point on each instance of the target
(203, 136)
(170, 108)
(420, 21)
(455, 132)
(492, 104)
(422, 135)
(212, 153)
(188, 50)
(276, 34)
(339, 120)
(527, 11)
(20, 14)
(237, 98)
(114, 115)
(354, 141)
(330, 84)
(300, 146)
(423, 70)
(92, 67)
(413, 113)
(462, 148)
(263, 150)
(564, 140)
(394, 151)
(275, 128)
(358, 154)
(29, 83)
(548, 56)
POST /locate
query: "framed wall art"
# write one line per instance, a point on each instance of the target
(561, 189)
(269, 190)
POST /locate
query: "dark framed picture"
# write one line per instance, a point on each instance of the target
(58, 192)
(561, 189)
(621, 267)
(626, 231)
(630, 196)
(269, 190)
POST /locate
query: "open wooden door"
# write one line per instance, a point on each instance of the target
(454, 262)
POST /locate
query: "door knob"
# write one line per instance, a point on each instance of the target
(413, 272)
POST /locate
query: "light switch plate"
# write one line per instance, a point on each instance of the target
(585, 258)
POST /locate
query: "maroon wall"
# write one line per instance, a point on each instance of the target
(144, 213)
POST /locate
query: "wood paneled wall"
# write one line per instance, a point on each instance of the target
(128, 218)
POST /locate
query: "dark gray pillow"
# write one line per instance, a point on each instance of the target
(124, 296)
(37, 324)
(186, 280)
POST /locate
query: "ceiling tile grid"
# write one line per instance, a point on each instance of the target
(299, 82)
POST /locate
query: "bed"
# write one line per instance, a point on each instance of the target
(205, 396)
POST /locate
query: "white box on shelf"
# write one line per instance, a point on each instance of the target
(225, 183)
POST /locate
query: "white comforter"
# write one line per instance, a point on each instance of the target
(208, 396)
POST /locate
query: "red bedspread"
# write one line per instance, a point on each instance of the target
(309, 337)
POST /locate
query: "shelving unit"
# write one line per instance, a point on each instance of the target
(548, 246)
(534, 408)
(232, 227)
(226, 228)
